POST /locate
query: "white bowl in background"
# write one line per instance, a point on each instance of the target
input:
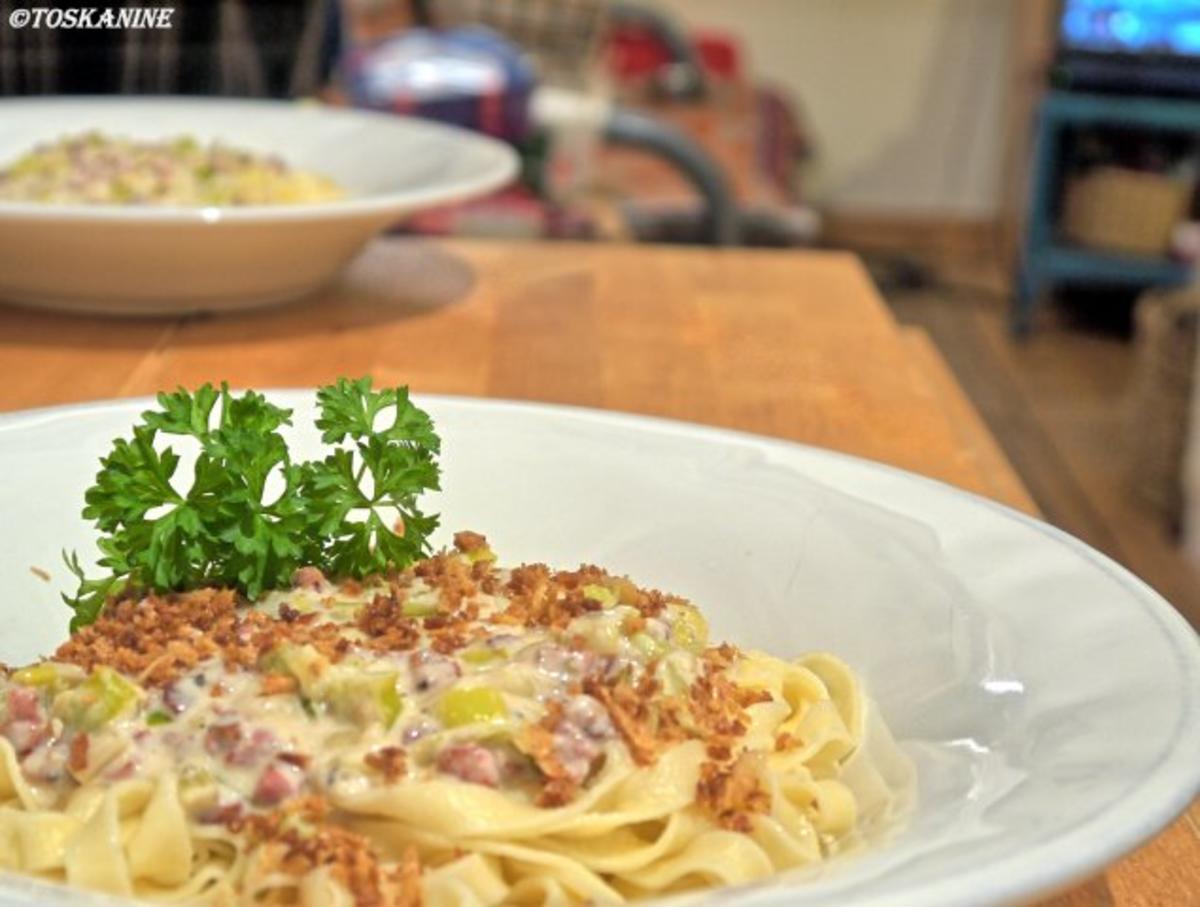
(122, 259)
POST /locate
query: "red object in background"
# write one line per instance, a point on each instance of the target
(720, 54)
(634, 53)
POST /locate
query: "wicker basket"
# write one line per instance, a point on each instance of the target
(1161, 401)
(1125, 210)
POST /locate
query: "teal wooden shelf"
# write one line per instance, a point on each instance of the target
(1044, 259)
(1074, 263)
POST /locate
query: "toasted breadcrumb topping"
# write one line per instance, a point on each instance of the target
(733, 792)
(302, 836)
(537, 742)
(713, 713)
(389, 761)
(632, 712)
(386, 628)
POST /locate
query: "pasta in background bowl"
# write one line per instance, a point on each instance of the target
(97, 169)
(1001, 653)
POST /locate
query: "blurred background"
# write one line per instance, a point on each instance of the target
(1018, 175)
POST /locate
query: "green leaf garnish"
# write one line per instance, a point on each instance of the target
(228, 527)
(358, 491)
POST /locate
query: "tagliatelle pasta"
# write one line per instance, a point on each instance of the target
(454, 734)
(97, 169)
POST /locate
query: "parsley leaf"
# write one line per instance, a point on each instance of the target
(250, 515)
(377, 472)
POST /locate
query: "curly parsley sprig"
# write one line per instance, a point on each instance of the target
(353, 513)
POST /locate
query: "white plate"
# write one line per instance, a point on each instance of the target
(1050, 700)
(130, 260)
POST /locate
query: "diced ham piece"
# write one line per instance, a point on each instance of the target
(122, 771)
(260, 745)
(23, 705)
(239, 748)
(502, 641)
(25, 725)
(221, 813)
(432, 672)
(589, 716)
(563, 663)
(308, 578)
(222, 738)
(278, 782)
(25, 735)
(657, 629)
(578, 737)
(46, 763)
(576, 753)
(470, 762)
(79, 747)
(177, 697)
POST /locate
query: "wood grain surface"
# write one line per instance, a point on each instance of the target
(794, 345)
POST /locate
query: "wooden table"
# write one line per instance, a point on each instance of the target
(796, 345)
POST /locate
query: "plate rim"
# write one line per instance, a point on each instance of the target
(1037, 871)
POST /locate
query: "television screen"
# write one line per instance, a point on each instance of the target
(1134, 27)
